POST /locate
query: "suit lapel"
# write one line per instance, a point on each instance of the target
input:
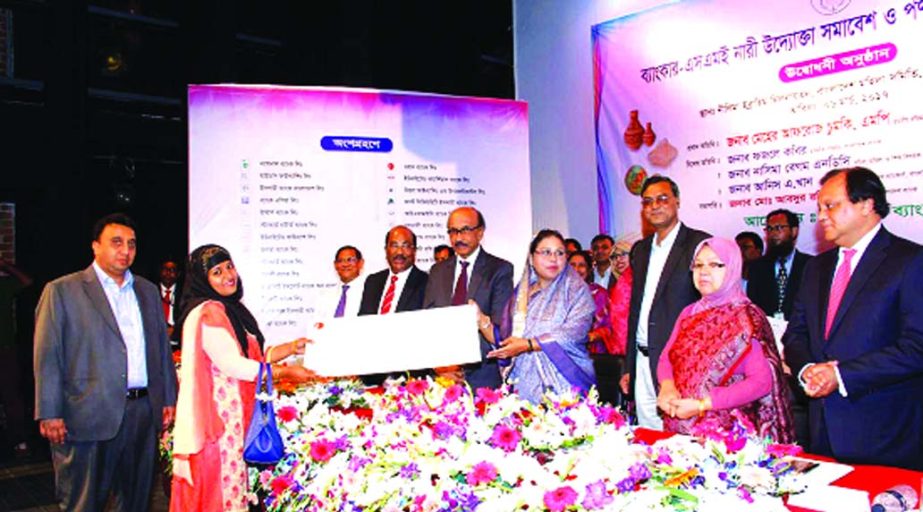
(94, 289)
(672, 260)
(825, 270)
(477, 274)
(872, 259)
(409, 287)
(150, 336)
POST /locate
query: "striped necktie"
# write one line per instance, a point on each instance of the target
(389, 297)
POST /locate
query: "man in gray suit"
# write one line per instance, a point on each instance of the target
(105, 384)
(488, 282)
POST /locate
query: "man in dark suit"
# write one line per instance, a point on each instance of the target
(170, 286)
(397, 288)
(776, 277)
(661, 288)
(472, 275)
(855, 337)
(105, 384)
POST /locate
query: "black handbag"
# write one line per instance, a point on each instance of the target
(263, 444)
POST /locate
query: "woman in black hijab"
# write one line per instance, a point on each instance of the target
(222, 349)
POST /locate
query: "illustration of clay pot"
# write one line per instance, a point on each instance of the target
(649, 136)
(634, 132)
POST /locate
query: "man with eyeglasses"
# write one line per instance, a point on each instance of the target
(472, 274)
(855, 335)
(775, 278)
(397, 288)
(661, 288)
(343, 299)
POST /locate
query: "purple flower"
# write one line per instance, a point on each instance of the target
(560, 498)
(596, 496)
(442, 430)
(663, 457)
(627, 484)
(357, 463)
(335, 390)
(639, 472)
(410, 470)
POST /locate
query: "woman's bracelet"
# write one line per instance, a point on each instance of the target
(701, 403)
(531, 347)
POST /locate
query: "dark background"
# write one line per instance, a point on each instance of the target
(94, 116)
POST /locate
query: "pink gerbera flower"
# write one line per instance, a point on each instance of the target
(482, 473)
(560, 498)
(417, 386)
(488, 396)
(505, 437)
(281, 484)
(453, 393)
(287, 413)
(322, 450)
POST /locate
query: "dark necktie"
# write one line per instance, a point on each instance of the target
(389, 297)
(461, 286)
(781, 282)
(840, 280)
(341, 306)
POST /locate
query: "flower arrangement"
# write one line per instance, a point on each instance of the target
(427, 445)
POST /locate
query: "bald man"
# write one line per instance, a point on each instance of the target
(472, 274)
(397, 288)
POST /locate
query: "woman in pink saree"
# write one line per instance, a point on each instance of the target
(722, 355)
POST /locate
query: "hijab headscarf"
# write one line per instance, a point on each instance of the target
(624, 243)
(731, 290)
(197, 290)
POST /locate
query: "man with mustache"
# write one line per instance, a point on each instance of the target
(397, 288)
(776, 277)
(471, 275)
(105, 384)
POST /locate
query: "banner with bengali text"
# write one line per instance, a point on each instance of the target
(284, 176)
(746, 105)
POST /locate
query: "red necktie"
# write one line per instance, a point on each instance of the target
(840, 280)
(166, 306)
(389, 297)
(461, 286)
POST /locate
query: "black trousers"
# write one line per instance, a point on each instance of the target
(86, 471)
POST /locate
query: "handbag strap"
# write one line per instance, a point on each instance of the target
(264, 379)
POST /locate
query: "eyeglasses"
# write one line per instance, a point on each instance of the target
(619, 254)
(661, 200)
(464, 230)
(780, 227)
(401, 245)
(351, 259)
(711, 265)
(548, 253)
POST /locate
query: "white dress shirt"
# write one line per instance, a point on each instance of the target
(163, 291)
(329, 298)
(398, 288)
(127, 313)
(658, 259)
